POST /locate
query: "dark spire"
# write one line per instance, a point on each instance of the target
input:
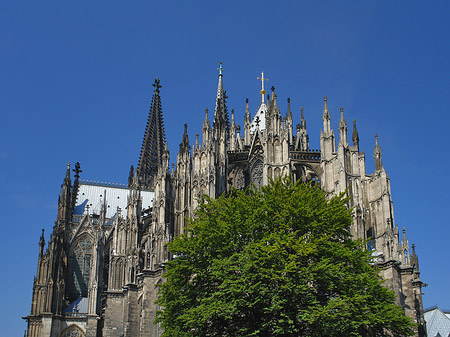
(154, 139)
(41, 244)
(64, 201)
(221, 113)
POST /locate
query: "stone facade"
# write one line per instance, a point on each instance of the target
(100, 272)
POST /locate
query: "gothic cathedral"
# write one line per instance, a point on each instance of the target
(99, 273)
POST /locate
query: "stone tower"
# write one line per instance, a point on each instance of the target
(98, 275)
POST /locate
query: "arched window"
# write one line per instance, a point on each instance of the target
(73, 331)
(79, 267)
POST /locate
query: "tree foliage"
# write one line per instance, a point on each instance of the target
(275, 262)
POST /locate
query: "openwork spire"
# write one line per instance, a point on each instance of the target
(154, 139)
(221, 113)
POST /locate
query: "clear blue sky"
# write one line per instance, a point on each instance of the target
(76, 79)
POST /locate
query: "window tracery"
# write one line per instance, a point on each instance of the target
(80, 264)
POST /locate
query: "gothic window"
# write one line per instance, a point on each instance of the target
(257, 174)
(80, 264)
(73, 331)
(240, 179)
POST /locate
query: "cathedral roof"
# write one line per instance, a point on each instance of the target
(259, 118)
(438, 323)
(91, 197)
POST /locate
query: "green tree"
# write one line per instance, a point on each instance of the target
(275, 262)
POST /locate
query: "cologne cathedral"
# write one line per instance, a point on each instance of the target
(98, 274)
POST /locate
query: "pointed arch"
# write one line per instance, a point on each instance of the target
(80, 261)
(73, 331)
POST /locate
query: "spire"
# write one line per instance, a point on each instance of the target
(302, 117)
(206, 129)
(289, 113)
(41, 244)
(326, 114)
(247, 112)
(130, 176)
(220, 112)
(206, 121)
(154, 139)
(64, 201)
(377, 155)
(326, 117)
(355, 136)
(343, 129)
(67, 177)
(185, 143)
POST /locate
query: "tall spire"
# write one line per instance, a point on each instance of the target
(220, 112)
(154, 140)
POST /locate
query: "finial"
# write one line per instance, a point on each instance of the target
(185, 128)
(77, 170)
(272, 88)
(238, 128)
(342, 112)
(246, 100)
(220, 69)
(301, 111)
(376, 139)
(262, 92)
(157, 84)
(325, 98)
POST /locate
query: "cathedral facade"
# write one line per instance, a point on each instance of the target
(99, 273)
